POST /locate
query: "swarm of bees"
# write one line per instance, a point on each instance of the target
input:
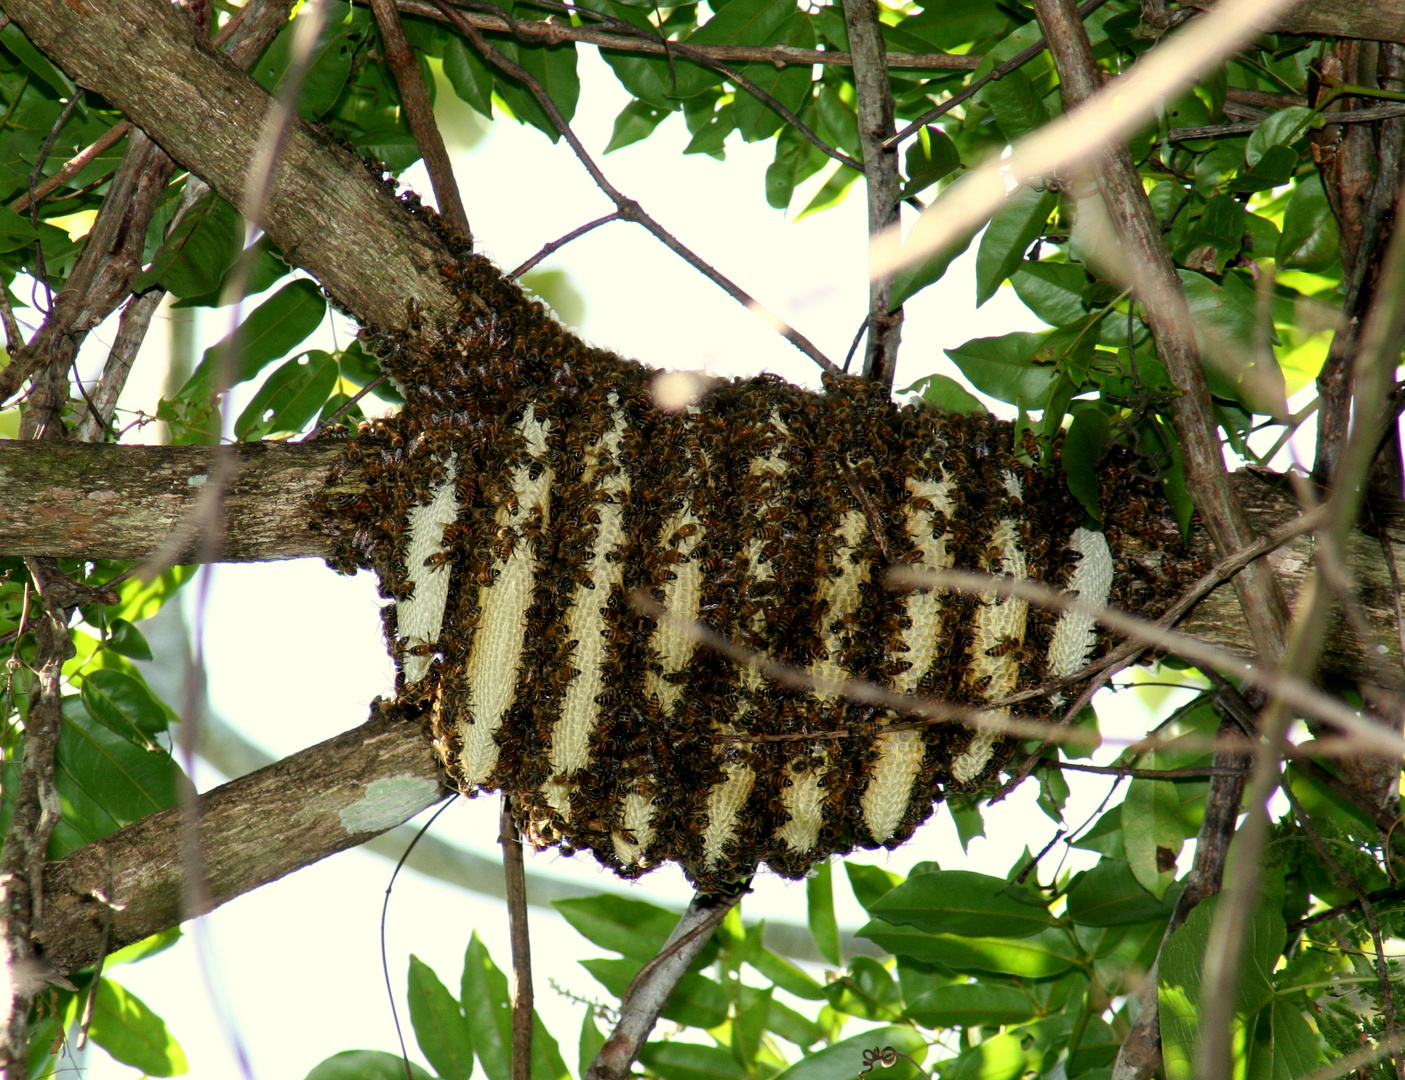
(531, 492)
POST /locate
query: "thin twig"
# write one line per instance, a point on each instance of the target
(628, 208)
(515, 882)
(555, 33)
(420, 113)
(874, 103)
(652, 987)
(1017, 61)
(1349, 881)
(556, 245)
(1189, 773)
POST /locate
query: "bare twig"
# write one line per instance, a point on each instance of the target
(1196, 772)
(74, 165)
(651, 988)
(874, 99)
(556, 33)
(1291, 688)
(555, 245)
(1154, 275)
(628, 208)
(1349, 881)
(23, 971)
(515, 878)
(418, 110)
(1017, 61)
(131, 332)
(1371, 380)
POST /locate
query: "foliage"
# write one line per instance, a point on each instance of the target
(970, 975)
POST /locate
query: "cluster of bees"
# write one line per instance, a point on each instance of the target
(531, 508)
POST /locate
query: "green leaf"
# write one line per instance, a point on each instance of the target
(1016, 225)
(972, 1005)
(793, 1027)
(547, 1062)
(867, 991)
(1281, 128)
(962, 902)
(126, 640)
(870, 883)
(1291, 1049)
(750, 1022)
(1038, 957)
(469, 75)
(266, 269)
(1179, 974)
(691, 1061)
(1053, 291)
(697, 1001)
(623, 925)
(125, 704)
(1004, 368)
(365, 1065)
(796, 161)
(931, 157)
(289, 398)
(592, 1039)
(945, 394)
(739, 22)
(193, 259)
(147, 946)
(1018, 107)
(329, 69)
(844, 1060)
(819, 905)
(133, 1034)
(1083, 447)
(143, 599)
(554, 68)
(1274, 169)
(636, 121)
(12, 37)
(966, 814)
(1224, 316)
(487, 1009)
(787, 976)
(1110, 895)
(1218, 231)
(1152, 832)
(1002, 1057)
(788, 85)
(105, 780)
(1053, 793)
(917, 275)
(272, 330)
(439, 1024)
(1309, 240)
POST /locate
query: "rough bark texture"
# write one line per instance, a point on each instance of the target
(326, 213)
(121, 502)
(1380, 20)
(254, 830)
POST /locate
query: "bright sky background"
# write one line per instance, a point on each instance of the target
(295, 652)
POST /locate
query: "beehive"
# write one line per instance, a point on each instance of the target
(530, 485)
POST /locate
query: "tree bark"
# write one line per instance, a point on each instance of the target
(253, 830)
(121, 502)
(326, 210)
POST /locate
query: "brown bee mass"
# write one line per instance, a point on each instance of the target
(530, 486)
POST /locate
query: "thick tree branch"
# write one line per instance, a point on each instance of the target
(253, 830)
(327, 213)
(1120, 185)
(121, 502)
(874, 99)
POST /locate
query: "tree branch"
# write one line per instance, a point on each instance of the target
(874, 99)
(1120, 185)
(327, 213)
(253, 830)
(122, 502)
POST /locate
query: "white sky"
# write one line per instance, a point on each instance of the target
(295, 651)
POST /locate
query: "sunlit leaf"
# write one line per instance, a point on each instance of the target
(133, 1034)
(440, 1027)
